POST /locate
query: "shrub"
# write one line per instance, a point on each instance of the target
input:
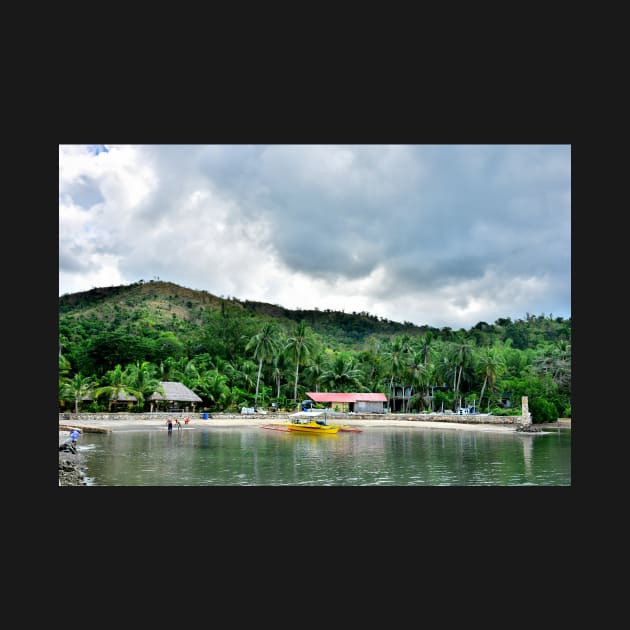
(511, 411)
(542, 410)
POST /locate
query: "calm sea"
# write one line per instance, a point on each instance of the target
(377, 456)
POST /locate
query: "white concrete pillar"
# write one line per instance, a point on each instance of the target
(527, 417)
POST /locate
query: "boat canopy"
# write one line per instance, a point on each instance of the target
(307, 414)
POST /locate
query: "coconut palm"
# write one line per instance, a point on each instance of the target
(64, 371)
(425, 345)
(77, 388)
(213, 387)
(461, 353)
(279, 370)
(64, 366)
(395, 358)
(245, 375)
(315, 368)
(342, 374)
(300, 345)
(418, 376)
(264, 345)
(142, 377)
(119, 385)
(491, 364)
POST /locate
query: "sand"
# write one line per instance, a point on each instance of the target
(261, 420)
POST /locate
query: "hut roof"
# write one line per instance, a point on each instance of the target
(349, 397)
(175, 391)
(122, 397)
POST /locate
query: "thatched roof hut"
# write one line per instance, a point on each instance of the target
(175, 393)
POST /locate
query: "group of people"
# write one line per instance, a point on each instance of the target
(74, 435)
(169, 424)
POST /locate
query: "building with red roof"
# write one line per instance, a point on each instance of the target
(358, 402)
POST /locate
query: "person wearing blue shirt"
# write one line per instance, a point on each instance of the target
(74, 436)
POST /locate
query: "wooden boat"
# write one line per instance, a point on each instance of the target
(307, 422)
(313, 427)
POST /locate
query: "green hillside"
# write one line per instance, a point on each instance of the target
(211, 344)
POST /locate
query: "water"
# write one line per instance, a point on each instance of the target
(253, 456)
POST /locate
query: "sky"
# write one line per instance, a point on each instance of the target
(438, 235)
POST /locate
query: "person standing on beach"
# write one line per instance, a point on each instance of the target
(169, 424)
(179, 424)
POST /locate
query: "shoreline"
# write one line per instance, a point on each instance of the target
(130, 424)
(107, 426)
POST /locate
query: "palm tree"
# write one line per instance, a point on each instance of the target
(461, 357)
(264, 345)
(491, 364)
(213, 387)
(244, 376)
(554, 360)
(299, 345)
(418, 375)
(278, 370)
(64, 366)
(167, 368)
(425, 345)
(64, 370)
(142, 377)
(342, 373)
(315, 368)
(119, 385)
(77, 388)
(395, 356)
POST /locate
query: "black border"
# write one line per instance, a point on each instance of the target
(387, 109)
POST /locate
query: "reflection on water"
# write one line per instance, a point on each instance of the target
(377, 456)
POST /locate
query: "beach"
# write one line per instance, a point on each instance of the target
(259, 420)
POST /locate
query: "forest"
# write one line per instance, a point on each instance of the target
(117, 342)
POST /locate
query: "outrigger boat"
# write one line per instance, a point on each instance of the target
(345, 427)
(305, 422)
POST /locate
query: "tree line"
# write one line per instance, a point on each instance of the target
(232, 356)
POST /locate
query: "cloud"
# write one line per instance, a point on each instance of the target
(438, 235)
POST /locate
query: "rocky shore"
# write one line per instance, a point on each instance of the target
(71, 463)
(71, 471)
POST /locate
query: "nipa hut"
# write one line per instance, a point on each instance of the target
(177, 397)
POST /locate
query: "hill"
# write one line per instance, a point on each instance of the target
(155, 321)
(169, 306)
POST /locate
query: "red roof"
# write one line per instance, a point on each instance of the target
(346, 397)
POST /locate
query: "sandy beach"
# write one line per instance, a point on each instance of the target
(119, 424)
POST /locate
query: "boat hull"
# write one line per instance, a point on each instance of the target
(313, 428)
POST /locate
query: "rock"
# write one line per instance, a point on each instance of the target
(528, 428)
(71, 471)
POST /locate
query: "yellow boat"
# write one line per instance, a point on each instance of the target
(312, 427)
(303, 422)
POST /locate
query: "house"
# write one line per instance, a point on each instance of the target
(175, 394)
(357, 402)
